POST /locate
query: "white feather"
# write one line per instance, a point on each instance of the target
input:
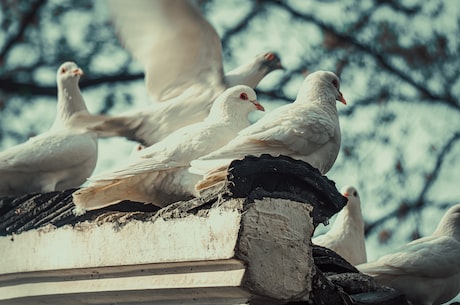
(427, 270)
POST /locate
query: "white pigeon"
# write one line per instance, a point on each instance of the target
(307, 129)
(152, 124)
(426, 270)
(182, 58)
(160, 175)
(57, 159)
(179, 48)
(346, 236)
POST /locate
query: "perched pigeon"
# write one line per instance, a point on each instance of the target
(426, 270)
(58, 159)
(160, 174)
(307, 129)
(346, 236)
(182, 58)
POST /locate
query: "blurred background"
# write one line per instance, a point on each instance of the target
(399, 68)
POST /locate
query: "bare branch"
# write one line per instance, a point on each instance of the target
(13, 87)
(380, 58)
(420, 202)
(27, 19)
(239, 27)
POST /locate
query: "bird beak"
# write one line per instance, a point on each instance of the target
(258, 105)
(346, 194)
(342, 99)
(78, 72)
(279, 66)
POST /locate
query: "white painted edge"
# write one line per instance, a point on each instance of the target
(86, 245)
(218, 278)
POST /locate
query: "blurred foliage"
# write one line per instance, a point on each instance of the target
(398, 61)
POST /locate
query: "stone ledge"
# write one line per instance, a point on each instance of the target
(249, 242)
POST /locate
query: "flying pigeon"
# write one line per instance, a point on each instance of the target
(182, 58)
(251, 73)
(426, 270)
(346, 236)
(59, 158)
(160, 173)
(307, 129)
(150, 125)
(178, 47)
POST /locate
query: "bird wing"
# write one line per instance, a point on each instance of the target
(150, 125)
(176, 150)
(177, 46)
(429, 257)
(48, 152)
(290, 129)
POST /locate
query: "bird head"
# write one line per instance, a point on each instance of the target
(352, 195)
(327, 80)
(450, 223)
(270, 61)
(245, 96)
(69, 70)
(237, 100)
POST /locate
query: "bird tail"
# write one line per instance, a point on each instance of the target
(98, 195)
(212, 180)
(203, 167)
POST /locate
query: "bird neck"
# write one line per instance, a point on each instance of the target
(226, 114)
(448, 228)
(70, 101)
(245, 75)
(349, 219)
(320, 95)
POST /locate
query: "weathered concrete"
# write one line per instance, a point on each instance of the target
(249, 242)
(86, 244)
(275, 244)
(175, 249)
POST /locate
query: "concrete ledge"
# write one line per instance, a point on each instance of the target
(249, 242)
(78, 283)
(275, 243)
(85, 245)
(184, 250)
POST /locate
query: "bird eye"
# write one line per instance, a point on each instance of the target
(335, 82)
(244, 96)
(269, 56)
(63, 70)
(355, 193)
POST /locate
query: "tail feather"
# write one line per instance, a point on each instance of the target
(99, 195)
(213, 179)
(204, 167)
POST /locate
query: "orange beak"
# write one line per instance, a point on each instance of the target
(258, 105)
(78, 72)
(346, 194)
(342, 99)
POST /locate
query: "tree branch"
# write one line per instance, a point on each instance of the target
(239, 26)
(25, 22)
(351, 40)
(420, 201)
(8, 85)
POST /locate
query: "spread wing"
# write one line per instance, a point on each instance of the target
(432, 257)
(286, 130)
(177, 46)
(48, 152)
